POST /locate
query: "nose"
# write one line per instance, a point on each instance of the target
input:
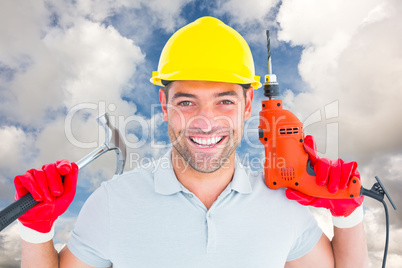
(204, 118)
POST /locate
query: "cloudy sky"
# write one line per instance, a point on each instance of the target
(338, 64)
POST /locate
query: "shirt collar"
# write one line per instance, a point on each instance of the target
(165, 179)
(240, 181)
(166, 182)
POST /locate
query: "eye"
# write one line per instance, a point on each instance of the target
(227, 102)
(185, 103)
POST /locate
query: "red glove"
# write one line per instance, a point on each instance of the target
(46, 185)
(333, 173)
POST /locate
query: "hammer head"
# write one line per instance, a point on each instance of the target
(113, 141)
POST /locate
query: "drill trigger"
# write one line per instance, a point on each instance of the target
(309, 168)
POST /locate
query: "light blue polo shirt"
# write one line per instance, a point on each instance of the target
(147, 218)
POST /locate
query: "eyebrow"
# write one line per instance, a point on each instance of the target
(181, 94)
(227, 93)
(188, 95)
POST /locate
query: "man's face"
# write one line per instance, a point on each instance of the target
(205, 121)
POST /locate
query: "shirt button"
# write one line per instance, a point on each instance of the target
(190, 195)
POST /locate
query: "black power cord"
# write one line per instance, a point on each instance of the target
(384, 259)
(377, 192)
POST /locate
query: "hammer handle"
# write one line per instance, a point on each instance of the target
(25, 203)
(16, 210)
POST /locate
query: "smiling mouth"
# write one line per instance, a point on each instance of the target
(206, 142)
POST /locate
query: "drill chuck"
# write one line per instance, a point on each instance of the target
(271, 87)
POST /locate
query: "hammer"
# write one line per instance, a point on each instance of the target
(113, 141)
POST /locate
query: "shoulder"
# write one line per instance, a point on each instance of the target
(133, 183)
(136, 175)
(275, 199)
(259, 188)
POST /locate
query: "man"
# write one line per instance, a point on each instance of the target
(205, 209)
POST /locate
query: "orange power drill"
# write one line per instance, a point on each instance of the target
(286, 162)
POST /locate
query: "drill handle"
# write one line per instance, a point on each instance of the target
(354, 191)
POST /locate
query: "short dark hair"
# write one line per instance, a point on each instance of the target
(168, 84)
(166, 89)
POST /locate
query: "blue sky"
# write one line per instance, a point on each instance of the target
(338, 64)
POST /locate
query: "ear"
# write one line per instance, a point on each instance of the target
(249, 100)
(162, 99)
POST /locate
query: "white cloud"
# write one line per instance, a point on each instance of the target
(10, 247)
(250, 18)
(157, 13)
(319, 23)
(17, 150)
(14, 141)
(63, 227)
(166, 14)
(21, 26)
(86, 63)
(66, 45)
(244, 12)
(97, 61)
(375, 236)
(357, 63)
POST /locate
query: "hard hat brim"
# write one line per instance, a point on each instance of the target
(198, 75)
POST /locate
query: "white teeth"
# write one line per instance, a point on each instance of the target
(209, 141)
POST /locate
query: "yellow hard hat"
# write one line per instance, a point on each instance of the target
(206, 50)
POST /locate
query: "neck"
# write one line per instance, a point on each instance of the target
(206, 186)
